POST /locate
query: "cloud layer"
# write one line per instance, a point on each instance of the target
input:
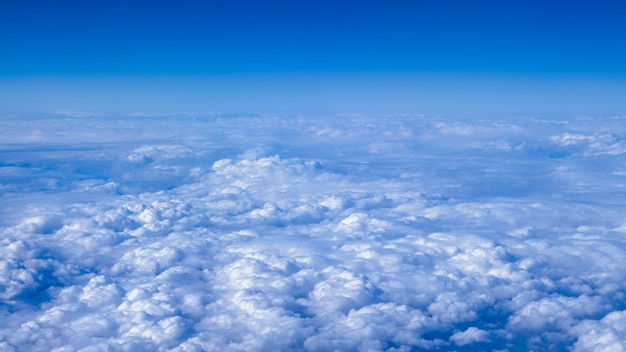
(331, 233)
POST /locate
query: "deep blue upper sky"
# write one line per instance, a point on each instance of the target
(512, 40)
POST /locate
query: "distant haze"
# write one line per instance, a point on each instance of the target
(317, 93)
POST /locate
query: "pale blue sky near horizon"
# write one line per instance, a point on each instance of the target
(422, 56)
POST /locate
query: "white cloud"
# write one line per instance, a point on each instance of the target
(151, 153)
(314, 241)
(472, 334)
(594, 144)
(604, 335)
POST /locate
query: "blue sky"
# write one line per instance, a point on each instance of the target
(314, 56)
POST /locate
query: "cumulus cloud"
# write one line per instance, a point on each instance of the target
(471, 335)
(594, 144)
(347, 233)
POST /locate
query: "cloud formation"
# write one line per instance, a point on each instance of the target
(313, 234)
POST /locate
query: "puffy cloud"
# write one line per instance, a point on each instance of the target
(607, 334)
(346, 233)
(471, 335)
(594, 144)
(151, 153)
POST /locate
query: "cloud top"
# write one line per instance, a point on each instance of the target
(218, 236)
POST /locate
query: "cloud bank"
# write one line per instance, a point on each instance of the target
(269, 233)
